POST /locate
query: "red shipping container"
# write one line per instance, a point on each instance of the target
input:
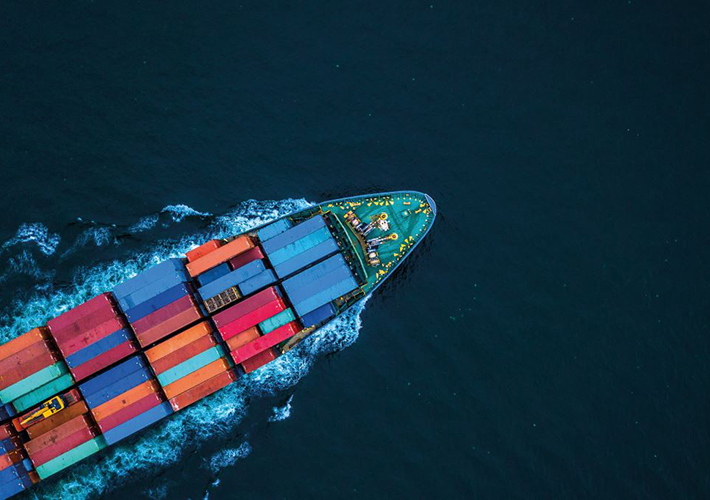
(104, 359)
(251, 319)
(57, 434)
(167, 327)
(23, 341)
(92, 320)
(72, 315)
(243, 338)
(258, 361)
(27, 369)
(246, 257)
(129, 412)
(10, 458)
(183, 354)
(6, 431)
(245, 306)
(265, 342)
(60, 447)
(77, 343)
(163, 314)
(22, 357)
(203, 250)
(202, 390)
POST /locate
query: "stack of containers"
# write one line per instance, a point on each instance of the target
(317, 286)
(16, 471)
(241, 322)
(31, 370)
(92, 336)
(158, 301)
(63, 439)
(125, 399)
(299, 246)
(190, 365)
(242, 277)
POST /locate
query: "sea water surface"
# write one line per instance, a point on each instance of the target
(550, 338)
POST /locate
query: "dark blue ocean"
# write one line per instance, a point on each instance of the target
(550, 339)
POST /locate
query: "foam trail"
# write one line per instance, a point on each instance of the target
(281, 412)
(144, 224)
(210, 418)
(179, 212)
(228, 457)
(36, 233)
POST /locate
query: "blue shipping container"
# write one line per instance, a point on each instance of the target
(332, 293)
(318, 285)
(295, 233)
(99, 347)
(151, 290)
(232, 279)
(119, 371)
(137, 423)
(118, 387)
(318, 316)
(14, 471)
(6, 445)
(315, 272)
(154, 303)
(213, 274)
(300, 245)
(274, 229)
(14, 486)
(306, 258)
(264, 278)
(148, 276)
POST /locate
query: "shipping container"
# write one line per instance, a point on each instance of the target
(158, 301)
(295, 233)
(137, 423)
(300, 245)
(232, 279)
(23, 341)
(43, 392)
(60, 447)
(279, 320)
(311, 274)
(163, 314)
(203, 250)
(99, 347)
(243, 338)
(130, 411)
(77, 312)
(306, 258)
(57, 419)
(317, 285)
(16, 473)
(319, 315)
(84, 323)
(91, 336)
(33, 381)
(23, 356)
(10, 458)
(173, 324)
(104, 359)
(245, 306)
(331, 293)
(197, 377)
(57, 434)
(148, 276)
(71, 457)
(181, 339)
(274, 229)
(265, 342)
(191, 365)
(245, 258)
(25, 370)
(261, 280)
(124, 399)
(118, 387)
(213, 274)
(151, 290)
(252, 319)
(256, 362)
(183, 354)
(96, 384)
(220, 255)
(13, 487)
(202, 390)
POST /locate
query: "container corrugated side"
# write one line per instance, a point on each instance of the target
(298, 262)
(71, 457)
(181, 339)
(252, 319)
(245, 306)
(137, 423)
(222, 254)
(158, 301)
(245, 258)
(202, 390)
(183, 354)
(299, 246)
(264, 278)
(197, 377)
(78, 408)
(265, 342)
(191, 365)
(203, 250)
(232, 279)
(295, 233)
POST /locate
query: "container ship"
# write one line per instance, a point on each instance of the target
(179, 331)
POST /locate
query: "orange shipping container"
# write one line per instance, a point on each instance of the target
(197, 377)
(167, 327)
(57, 434)
(243, 338)
(23, 341)
(57, 419)
(203, 250)
(24, 356)
(180, 340)
(202, 390)
(129, 397)
(222, 254)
